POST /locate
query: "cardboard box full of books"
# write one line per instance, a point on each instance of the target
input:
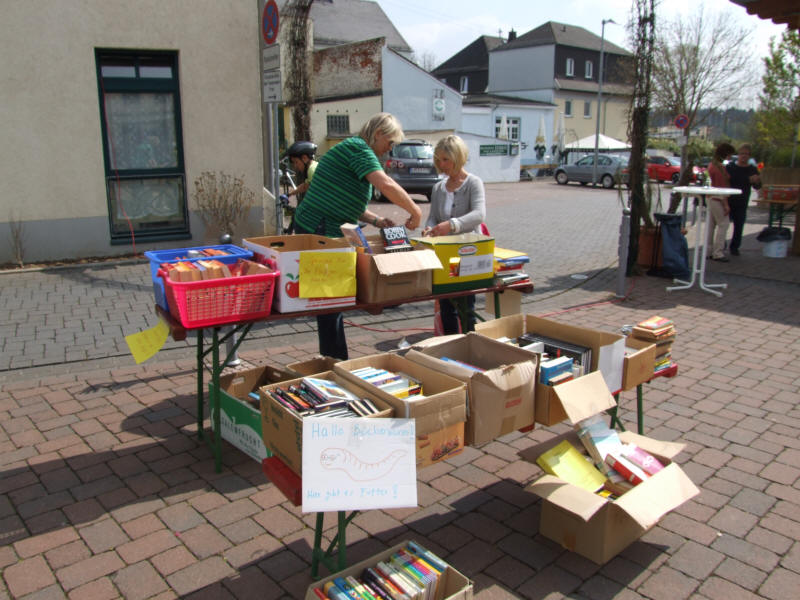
(389, 276)
(607, 354)
(439, 414)
(600, 527)
(317, 364)
(331, 255)
(500, 378)
(448, 583)
(282, 428)
(467, 261)
(240, 413)
(640, 358)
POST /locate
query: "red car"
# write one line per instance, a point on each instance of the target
(662, 168)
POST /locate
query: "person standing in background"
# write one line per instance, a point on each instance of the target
(301, 155)
(458, 205)
(340, 192)
(743, 176)
(718, 207)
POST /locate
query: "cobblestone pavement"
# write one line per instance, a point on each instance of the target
(107, 492)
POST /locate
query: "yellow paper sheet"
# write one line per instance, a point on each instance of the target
(327, 274)
(147, 343)
(566, 462)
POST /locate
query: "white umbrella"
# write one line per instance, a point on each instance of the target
(560, 132)
(540, 139)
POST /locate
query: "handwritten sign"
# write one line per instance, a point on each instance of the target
(327, 274)
(358, 464)
(145, 344)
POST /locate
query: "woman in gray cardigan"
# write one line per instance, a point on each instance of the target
(458, 205)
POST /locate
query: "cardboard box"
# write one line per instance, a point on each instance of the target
(596, 527)
(386, 277)
(240, 421)
(505, 303)
(500, 399)
(608, 353)
(282, 429)
(285, 250)
(640, 360)
(454, 586)
(467, 261)
(318, 364)
(439, 416)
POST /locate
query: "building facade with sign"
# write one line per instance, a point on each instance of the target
(114, 115)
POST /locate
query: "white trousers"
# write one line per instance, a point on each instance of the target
(718, 223)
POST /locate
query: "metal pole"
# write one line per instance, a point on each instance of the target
(624, 234)
(599, 96)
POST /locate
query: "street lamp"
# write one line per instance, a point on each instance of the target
(599, 96)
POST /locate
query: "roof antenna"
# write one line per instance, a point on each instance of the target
(500, 33)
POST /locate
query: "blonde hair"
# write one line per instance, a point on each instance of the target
(385, 124)
(455, 149)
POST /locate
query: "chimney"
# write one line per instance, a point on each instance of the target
(512, 35)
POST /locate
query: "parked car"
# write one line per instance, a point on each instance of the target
(662, 168)
(410, 163)
(610, 169)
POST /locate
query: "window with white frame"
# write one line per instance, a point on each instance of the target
(568, 108)
(140, 119)
(463, 84)
(512, 127)
(587, 110)
(570, 67)
(588, 69)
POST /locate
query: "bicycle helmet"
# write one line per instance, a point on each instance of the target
(302, 148)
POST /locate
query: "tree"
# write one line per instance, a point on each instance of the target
(426, 60)
(643, 21)
(778, 118)
(700, 62)
(298, 75)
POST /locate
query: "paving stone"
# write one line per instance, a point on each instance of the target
(139, 581)
(103, 536)
(199, 575)
(89, 569)
(695, 560)
(28, 576)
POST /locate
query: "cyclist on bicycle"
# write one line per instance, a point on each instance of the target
(301, 155)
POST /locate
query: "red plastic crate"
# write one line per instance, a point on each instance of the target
(220, 301)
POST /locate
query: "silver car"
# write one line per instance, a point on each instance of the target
(410, 164)
(610, 169)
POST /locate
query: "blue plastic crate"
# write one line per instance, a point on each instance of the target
(182, 254)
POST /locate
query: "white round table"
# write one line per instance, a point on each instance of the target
(699, 257)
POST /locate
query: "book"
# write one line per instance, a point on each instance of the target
(626, 468)
(554, 348)
(561, 378)
(554, 366)
(394, 592)
(395, 239)
(564, 461)
(599, 440)
(399, 579)
(655, 323)
(355, 236)
(327, 390)
(641, 458)
(650, 335)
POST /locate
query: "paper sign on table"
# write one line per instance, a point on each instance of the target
(358, 464)
(327, 274)
(147, 343)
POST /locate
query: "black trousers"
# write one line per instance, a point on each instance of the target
(449, 312)
(738, 216)
(330, 328)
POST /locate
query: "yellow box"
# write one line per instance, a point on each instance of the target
(467, 261)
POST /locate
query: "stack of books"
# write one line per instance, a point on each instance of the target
(199, 270)
(555, 370)
(398, 385)
(410, 573)
(661, 332)
(552, 348)
(508, 266)
(321, 398)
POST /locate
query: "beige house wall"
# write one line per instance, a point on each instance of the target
(51, 159)
(613, 122)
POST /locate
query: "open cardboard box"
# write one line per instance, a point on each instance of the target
(467, 261)
(596, 527)
(608, 353)
(640, 360)
(439, 416)
(240, 421)
(285, 250)
(386, 277)
(453, 586)
(501, 398)
(282, 429)
(317, 364)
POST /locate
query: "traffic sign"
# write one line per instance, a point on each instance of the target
(681, 121)
(269, 22)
